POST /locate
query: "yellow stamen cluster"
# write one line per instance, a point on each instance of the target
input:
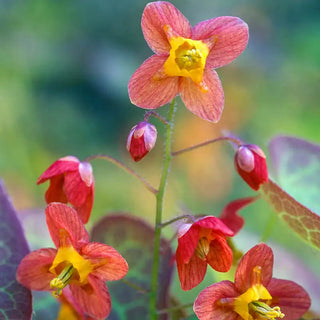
(265, 311)
(203, 248)
(62, 280)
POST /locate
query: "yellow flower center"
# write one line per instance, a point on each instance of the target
(203, 248)
(69, 266)
(187, 57)
(253, 304)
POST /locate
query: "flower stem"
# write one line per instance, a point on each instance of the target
(125, 168)
(175, 308)
(134, 286)
(199, 145)
(159, 209)
(185, 216)
(156, 115)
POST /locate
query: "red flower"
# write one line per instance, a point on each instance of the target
(254, 294)
(70, 181)
(184, 60)
(141, 140)
(201, 243)
(250, 162)
(76, 262)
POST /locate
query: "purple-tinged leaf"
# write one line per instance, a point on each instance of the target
(133, 238)
(15, 300)
(298, 217)
(296, 164)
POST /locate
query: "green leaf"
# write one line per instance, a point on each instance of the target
(133, 238)
(15, 300)
(296, 164)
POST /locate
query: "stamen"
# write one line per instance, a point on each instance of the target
(203, 248)
(265, 311)
(62, 280)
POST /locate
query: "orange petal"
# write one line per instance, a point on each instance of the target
(109, 264)
(155, 16)
(150, 92)
(206, 105)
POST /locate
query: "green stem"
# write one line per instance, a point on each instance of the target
(159, 209)
(175, 308)
(156, 115)
(185, 216)
(134, 286)
(125, 168)
(199, 145)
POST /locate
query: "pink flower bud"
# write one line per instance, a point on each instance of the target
(141, 140)
(250, 162)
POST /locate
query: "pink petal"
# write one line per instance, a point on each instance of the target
(191, 273)
(60, 166)
(187, 243)
(33, 270)
(205, 306)
(215, 224)
(110, 264)
(68, 298)
(220, 255)
(293, 300)
(60, 216)
(154, 17)
(260, 255)
(93, 297)
(147, 92)
(55, 192)
(206, 105)
(232, 38)
(229, 215)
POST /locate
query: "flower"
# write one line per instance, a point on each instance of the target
(141, 140)
(76, 262)
(70, 181)
(254, 294)
(200, 243)
(250, 162)
(184, 60)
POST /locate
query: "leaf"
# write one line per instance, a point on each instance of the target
(298, 217)
(133, 238)
(296, 163)
(15, 300)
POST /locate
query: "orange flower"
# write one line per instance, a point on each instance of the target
(184, 60)
(70, 181)
(77, 263)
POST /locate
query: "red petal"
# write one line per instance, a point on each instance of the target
(55, 192)
(260, 255)
(206, 105)
(147, 92)
(154, 17)
(60, 166)
(205, 306)
(93, 297)
(84, 211)
(33, 270)
(220, 255)
(191, 273)
(229, 215)
(187, 243)
(60, 216)
(293, 300)
(232, 38)
(215, 224)
(112, 265)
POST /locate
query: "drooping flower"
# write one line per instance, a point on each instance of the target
(199, 244)
(141, 140)
(184, 60)
(254, 295)
(77, 263)
(250, 162)
(70, 181)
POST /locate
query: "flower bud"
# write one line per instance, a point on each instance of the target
(141, 140)
(250, 162)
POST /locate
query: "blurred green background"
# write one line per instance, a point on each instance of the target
(64, 69)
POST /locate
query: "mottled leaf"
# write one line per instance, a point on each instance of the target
(133, 238)
(296, 165)
(15, 300)
(298, 217)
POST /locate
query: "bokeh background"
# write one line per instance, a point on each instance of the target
(64, 69)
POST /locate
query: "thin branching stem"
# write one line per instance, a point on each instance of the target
(175, 308)
(125, 168)
(156, 115)
(185, 216)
